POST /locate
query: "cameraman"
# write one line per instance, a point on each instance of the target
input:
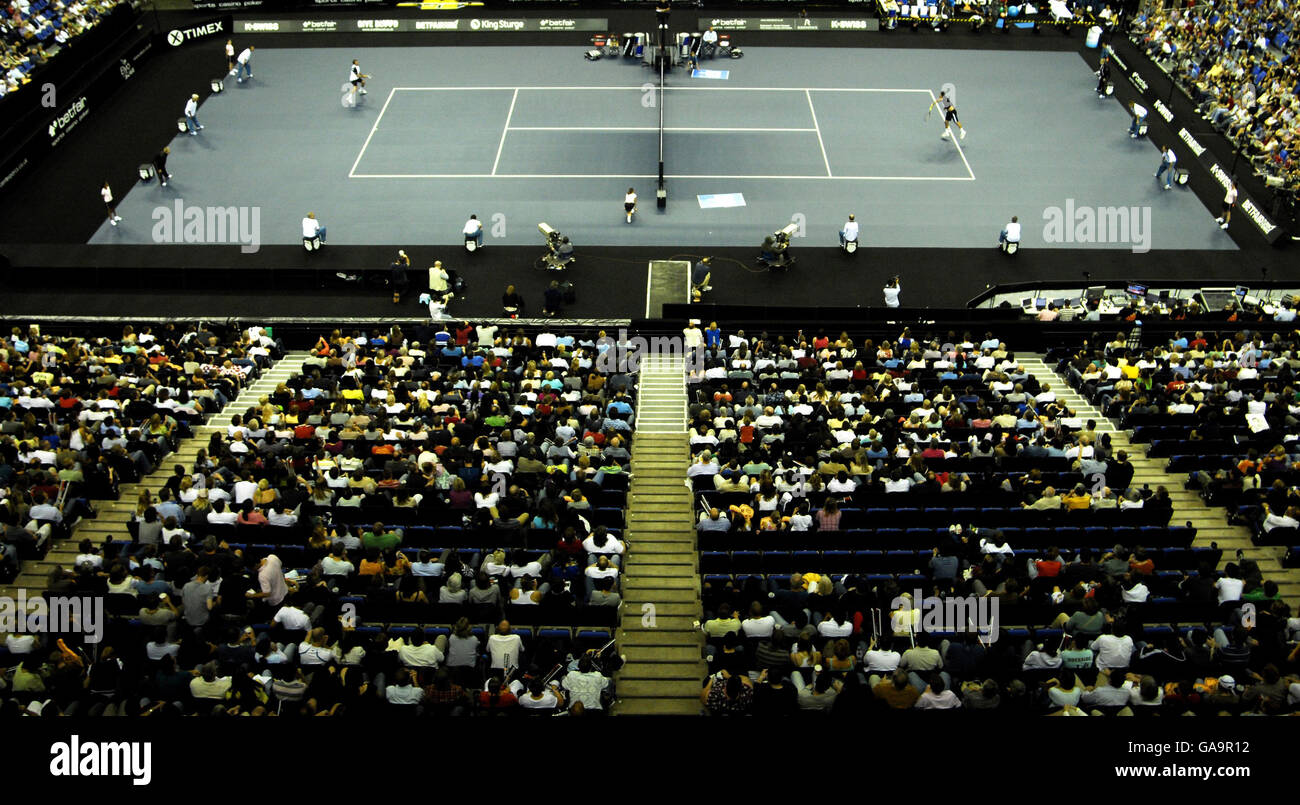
(891, 292)
(562, 249)
(701, 273)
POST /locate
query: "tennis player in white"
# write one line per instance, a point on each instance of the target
(358, 79)
(1229, 200)
(106, 193)
(629, 204)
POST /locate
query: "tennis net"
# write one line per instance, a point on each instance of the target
(663, 60)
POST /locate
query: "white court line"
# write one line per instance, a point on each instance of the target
(960, 152)
(373, 129)
(808, 95)
(733, 177)
(730, 177)
(505, 131)
(640, 88)
(654, 128)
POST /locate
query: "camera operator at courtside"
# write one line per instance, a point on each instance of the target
(559, 250)
(774, 254)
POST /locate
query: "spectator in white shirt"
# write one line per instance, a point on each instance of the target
(505, 649)
(418, 652)
(292, 619)
(474, 230)
(1229, 587)
(1010, 232)
(219, 515)
(1113, 652)
(312, 228)
(1274, 520)
(850, 230)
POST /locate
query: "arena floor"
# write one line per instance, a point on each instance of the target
(523, 135)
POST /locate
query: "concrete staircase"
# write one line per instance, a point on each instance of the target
(660, 636)
(115, 514)
(661, 396)
(1210, 522)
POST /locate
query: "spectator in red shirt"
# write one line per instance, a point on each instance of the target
(496, 699)
(1049, 567)
(1141, 563)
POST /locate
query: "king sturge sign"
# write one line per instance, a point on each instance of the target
(497, 25)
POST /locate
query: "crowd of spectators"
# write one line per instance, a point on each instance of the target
(790, 419)
(1222, 406)
(1236, 60)
(79, 416)
(34, 31)
(831, 439)
(470, 446)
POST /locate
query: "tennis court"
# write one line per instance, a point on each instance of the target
(530, 134)
(568, 133)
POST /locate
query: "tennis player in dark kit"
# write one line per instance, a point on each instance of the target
(949, 110)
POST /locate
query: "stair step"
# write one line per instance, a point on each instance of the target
(664, 623)
(669, 689)
(661, 637)
(660, 596)
(113, 516)
(681, 706)
(663, 573)
(657, 547)
(689, 609)
(655, 583)
(662, 532)
(639, 654)
(663, 671)
(683, 541)
(660, 564)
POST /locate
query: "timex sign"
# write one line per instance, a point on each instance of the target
(183, 36)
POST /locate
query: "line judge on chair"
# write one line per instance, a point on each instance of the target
(312, 229)
(1010, 235)
(850, 230)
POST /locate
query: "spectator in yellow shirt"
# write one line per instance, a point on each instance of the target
(1077, 498)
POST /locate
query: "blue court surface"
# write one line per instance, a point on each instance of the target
(523, 135)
